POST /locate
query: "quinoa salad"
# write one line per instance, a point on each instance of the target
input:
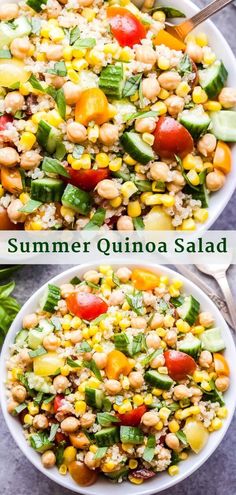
(108, 121)
(121, 374)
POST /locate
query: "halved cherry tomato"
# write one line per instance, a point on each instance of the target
(133, 417)
(221, 365)
(11, 180)
(179, 364)
(87, 179)
(57, 403)
(86, 306)
(167, 39)
(5, 222)
(81, 474)
(144, 280)
(117, 364)
(5, 119)
(125, 27)
(171, 138)
(92, 105)
(222, 159)
(60, 437)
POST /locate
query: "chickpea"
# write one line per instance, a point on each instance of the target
(84, 3)
(9, 157)
(113, 387)
(146, 55)
(13, 102)
(30, 160)
(72, 92)
(54, 52)
(158, 361)
(40, 422)
(157, 321)
(150, 418)
(77, 133)
(90, 461)
(54, 80)
(92, 276)
(150, 88)
(11, 406)
(227, 97)
(181, 392)
(125, 223)
(20, 47)
(207, 144)
(100, 359)
(153, 340)
(205, 359)
(48, 459)
(87, 420)
(19, 393)
(136, 379)
(147, 124)
(51, 342)
(116, 298)
(54, 10)
(67, 289)
(76, 336)
(24, 357)
(175, 105)
(13, 211)
(108, 134)
(124, 274)
(30, 321)
(138, 322)
(222, 383)
(178, 179)
(60, 383)
(171, 338)
(195, 52)
(215, 180)
(70, 424)
(149, 299)
(169, 80)
(206, 319)
(174, 187)
(107, 189)
(159, 171)
(8, 11)
(172, 441)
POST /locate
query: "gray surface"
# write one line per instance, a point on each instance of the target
(218, 475)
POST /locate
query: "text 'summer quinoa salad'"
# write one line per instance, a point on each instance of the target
(121, 373)
(107, 120)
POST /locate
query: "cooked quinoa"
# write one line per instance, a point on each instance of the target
(101, 127)
(121, 373)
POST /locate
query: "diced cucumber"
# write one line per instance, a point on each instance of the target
(48, 136)
(164, 382)
(111, 80)
(47, 190)
(212, 340)
(21, 337)
(131, 434)
(123, 343)
(107, 436)
(120, 474)
(19, 28)
(50, 299)
(134, 145)
(46, 326)
(196, 121)
(36, 335)
(189, 310)
(190, 346)
(76, 199)
(212, 79)
(94, 397)
(224, 125)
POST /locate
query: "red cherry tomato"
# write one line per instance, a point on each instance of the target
(57, 403)
(133, 417)
(86, 306)
(87, 179)
(125, 27)
(179, 364)
(60, 437)
(171, 138)
(5, 119)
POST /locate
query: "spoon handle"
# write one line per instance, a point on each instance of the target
(223, 283)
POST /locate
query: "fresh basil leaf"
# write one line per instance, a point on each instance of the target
(60, 453)
(177, 301)
(135, 301)
(52, 92)
(61, 103)
(78, 151)
(170, 12)
(53, 430)
(74, 35)
(139, 344)
(182, 437)
(49, 399)
(131, 85)
(30, 206)
(91, 365)
(4, 54)
(140, 94)
(60, 151)
(106, 419)
(36, 4)
(75, 281)
(85, 347)
(92, 285)
(115, 279)
(20, 408)
(73, 363)
(149, 451)
(59, 69)
(101, 451)
(85, 43)
(16, 85)
(143, 185)
(38, 352)
(97, 220)
(138, 223)
(53, 166)
(151, 356)
(19, 115)
(185, 65)
(6, 290)
(39, 398)
(35, 83)
(139, 115)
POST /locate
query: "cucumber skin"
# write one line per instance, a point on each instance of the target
(131, 434)
(52, 298)
(132, 150)
(41, 190)
(186, 347)
(218, 127)
(107, 436)
(76, 199)
(193, 311)
(164, 382)
(210, 345)
(214, 87)
(111, 81)
(94, 398)
(195, 131)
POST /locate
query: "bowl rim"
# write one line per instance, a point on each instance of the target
(66, 481)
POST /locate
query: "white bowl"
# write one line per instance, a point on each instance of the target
(103, 486)
(218, 200)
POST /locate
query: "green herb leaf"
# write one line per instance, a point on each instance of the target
(139, 115)
(36, 4)
(149, 451)
(75, 281)
(4, 54)
(78, 151)
(85, 347)
(38, 352)
(19, 115)
(135, 301)
(131, 85)
(20, 408)
(35, 83)
(168, 11)
(49, 399)
(74, 35)
(60, 151)
(53, 166)
(73, 363)
(91, 365)
(115, 279)
(177, 301)
(99, 318)
(85, 43)
(60, 453)
(139, 344)
(31, 205)
(53, 430)
(16, 85)
(182, 437)
(185, 65)
(100, 452)
(138, 223)
(143, 185)
(97, 220)
(106, 419)
(61, 103)
(151, 356)
(59, 69)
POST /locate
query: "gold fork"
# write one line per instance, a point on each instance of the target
(184, 28)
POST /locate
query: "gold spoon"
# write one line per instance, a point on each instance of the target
(184, 28)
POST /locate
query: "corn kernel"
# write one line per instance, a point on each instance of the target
(56, 34)
(173, 426)
(183, 89)
(31, 127)
(73, 76)
(168, 200)
(24, 197)
(201, 39)
(94, 57)
(169, 321)
(183, 456)
(47, 407)
(129, 160)
(201, 215)
(133, 463)
(124, 323)
(208, 56)
(124, 408)
(164, 413)
(148, 399)
(199, 376)
(182, 326)
(115, 164)
(89, 14)
(222, 412)
(41, 57)
(191, 162)
(69, 455)
(68, 53)
(82, 387)
(67, 212)
(85, 333)
(193, 177)
(116, 202)
(216, 424)
(93, 133)
(163, 63)
(33, 408)
(159, 16)
(134, 209)
(36, 225)
(177, 283)
(128, 189)
(159, 107)
(1, 191)
(153, 199)
(79, 53)
(54, 118)
(27, 141)
(80, 407)
(188, 411)
(134, 97)
(28, 419)
(138, 400)
(126, 54)
(111, 48)
(163, 95)
(83, 162)
(159, 426)
(199, 95)
(102, 159)
(188, 224)
(157, 392)
(39, 116)
(80, 64)
(161, 332)
(93, 448)
(173, 470)
(62, 469)
(212, 106)
(173, 291)
(135, 481)
(65, 370)
(206, 386)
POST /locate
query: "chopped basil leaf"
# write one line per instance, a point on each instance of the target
(59, 69)
(105, 419)
(97, 220)
(149, 451)
(138, 115)
(20, 408)
(61, 103)
(19, 115)
(60, 453)
(36, 4)
(38, 352)
(31, 206)
(131, 85)
(92, 285)
(135, 301)
(49, 399)
(78, 151)
(35, 83)
(151, 356)
(139, 343)
(5, 54)
(138, 223)
(85, 347)
(182, 437)
(100, 452)
(115, 279)
(16, 85)
(53, 166)
(75, 281)
(60, 151)
(185, 65)
(169, 12)
(73, 363)
(85, 43)
(91, 365)
(74, 35)
(140, 94)
(53, 430)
